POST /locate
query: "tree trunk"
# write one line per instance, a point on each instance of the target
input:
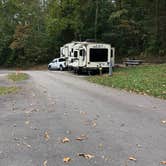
(157, 21)
(96, 19)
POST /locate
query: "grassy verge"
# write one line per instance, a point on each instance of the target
(18, 76)
(150, 80)
(7, 90)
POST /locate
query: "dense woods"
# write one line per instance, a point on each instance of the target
(32, 31)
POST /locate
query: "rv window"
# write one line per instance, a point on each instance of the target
(72, 50)
(82, 52)
(98, 55)
(75, 54)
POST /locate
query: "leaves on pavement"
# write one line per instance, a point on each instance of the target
(132, 158)
(87, 156)
(65, 140)
(94, 124)
(66, 159)
(163, 121)
(81, 138)
(46, 136)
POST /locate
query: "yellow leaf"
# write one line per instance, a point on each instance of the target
(66, 159)
(65, 139)
(46, 136)
(87, 156)
(163, 121)
(132, 158)
(94, 124)
(81, 138)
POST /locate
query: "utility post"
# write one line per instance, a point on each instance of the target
(111, 63)
(96, 19)
(110, 68)
(100, 70)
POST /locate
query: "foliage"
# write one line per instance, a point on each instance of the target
(149, 80)
(33, 31)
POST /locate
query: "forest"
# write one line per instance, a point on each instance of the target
(32, 31)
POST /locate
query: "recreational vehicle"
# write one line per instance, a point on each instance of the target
(88, 57)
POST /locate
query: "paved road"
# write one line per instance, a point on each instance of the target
(55, 105)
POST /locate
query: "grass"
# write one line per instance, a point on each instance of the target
(7, 90)
(18, 76)
(146, 80)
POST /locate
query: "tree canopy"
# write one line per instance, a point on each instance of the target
(31, 32)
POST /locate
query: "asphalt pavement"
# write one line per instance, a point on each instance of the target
(59, 116)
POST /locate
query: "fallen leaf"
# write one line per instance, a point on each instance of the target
(87, 156)
(132, 158)
(139, 146)
(29, 146)
(83, 113)
(163, 121)
(46, 136)
(45, 163)
(65, 139)
(34, 110)
(66, 159)
(163, 162)
(81, 138)
(27, 122)
(94, 124)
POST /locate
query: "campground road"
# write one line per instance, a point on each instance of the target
(117, 124)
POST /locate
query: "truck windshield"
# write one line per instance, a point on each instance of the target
(61, 60)
(98, 55)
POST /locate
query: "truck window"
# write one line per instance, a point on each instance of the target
(61, 60)
(98, 55)
(54, 61)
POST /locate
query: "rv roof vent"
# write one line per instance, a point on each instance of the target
(90, 40)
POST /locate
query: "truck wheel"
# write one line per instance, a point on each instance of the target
(61, 68)
(49, 67)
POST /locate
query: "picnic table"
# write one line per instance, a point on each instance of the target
(131, 62)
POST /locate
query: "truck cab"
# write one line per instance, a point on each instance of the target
(57, 64)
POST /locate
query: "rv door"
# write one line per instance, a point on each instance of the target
(81, 57)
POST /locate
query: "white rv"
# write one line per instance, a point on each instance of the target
(88, 56)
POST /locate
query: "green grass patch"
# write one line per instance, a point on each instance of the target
(149, 79)
(18, 76)
(8, 90)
